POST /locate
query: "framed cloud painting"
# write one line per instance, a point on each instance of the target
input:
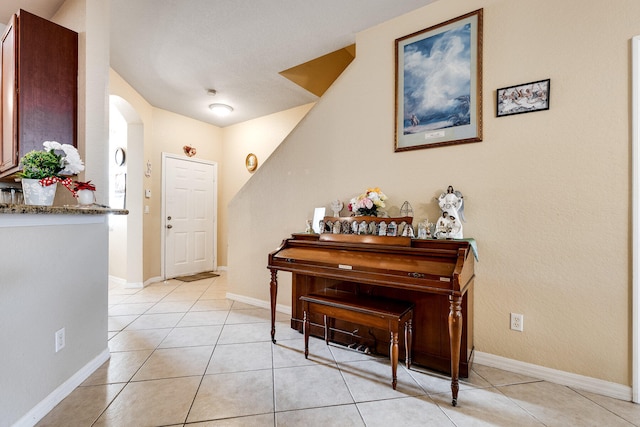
(439, 85)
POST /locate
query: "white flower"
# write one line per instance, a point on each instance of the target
(71, 162)
(51, 145)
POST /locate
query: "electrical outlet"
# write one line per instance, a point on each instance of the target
(60, 340)
(517, 322)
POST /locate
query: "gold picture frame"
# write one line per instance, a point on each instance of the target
(439, 85)
(251, 162)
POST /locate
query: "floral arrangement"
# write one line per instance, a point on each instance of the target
(50, 164)
(368, 202)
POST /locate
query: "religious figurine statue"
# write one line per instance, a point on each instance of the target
(443, 226)
(309, 229)
(452, 205)
(456, 228)
(452, 201)
(336, 207)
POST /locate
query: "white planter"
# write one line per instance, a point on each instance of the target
(86, 197)
(36, 194)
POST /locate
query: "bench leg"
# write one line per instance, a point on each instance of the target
(305, 326)
(408, 342)
(393, 352)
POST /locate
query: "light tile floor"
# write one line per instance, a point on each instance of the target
(182, 354)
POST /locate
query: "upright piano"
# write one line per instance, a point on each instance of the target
(436, 275)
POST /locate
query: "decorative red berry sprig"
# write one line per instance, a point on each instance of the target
(84, 186)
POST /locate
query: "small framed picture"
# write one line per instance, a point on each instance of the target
(251, 162)
(524, 98)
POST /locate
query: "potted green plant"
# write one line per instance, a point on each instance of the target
(42, 170)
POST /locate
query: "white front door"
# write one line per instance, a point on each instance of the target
(189, 216)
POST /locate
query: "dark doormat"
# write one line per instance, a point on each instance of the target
(198, 276)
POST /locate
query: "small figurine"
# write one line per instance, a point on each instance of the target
(309, 229)
(408, 231)
(336, 207)
(442, 226)
(362, 227)
(422, 230)
(372, 228)
(382, 228)
(455, 228)
(392, 229)
(406, 209)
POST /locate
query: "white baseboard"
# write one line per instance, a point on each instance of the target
(152, 280)
(56, 396)
(259, 303)
(593, 385)
(119, 281)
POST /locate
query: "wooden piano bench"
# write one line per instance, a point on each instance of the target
(363, 310)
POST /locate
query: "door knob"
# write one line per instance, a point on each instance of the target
(169, 226)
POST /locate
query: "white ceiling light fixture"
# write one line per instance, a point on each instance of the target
(221, 109)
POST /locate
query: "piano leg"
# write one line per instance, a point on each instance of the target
(306, 325)
(408, 342)
(273, 288)
(393, 352)
(455, 337)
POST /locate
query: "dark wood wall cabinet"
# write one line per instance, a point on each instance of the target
(39, 87)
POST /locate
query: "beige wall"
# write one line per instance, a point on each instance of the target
(260, 137)
(547, 194)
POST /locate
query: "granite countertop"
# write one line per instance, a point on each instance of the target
(6, 208)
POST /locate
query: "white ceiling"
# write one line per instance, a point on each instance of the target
(171, 51)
